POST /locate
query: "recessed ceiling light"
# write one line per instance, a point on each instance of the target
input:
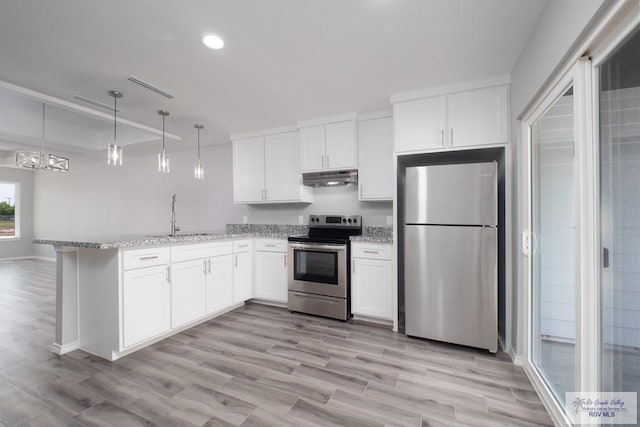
(212, 41)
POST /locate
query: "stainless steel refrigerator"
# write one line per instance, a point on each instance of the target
(451, 253)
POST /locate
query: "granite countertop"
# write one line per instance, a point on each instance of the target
(233, 231)
(129, 241)
(375, 235)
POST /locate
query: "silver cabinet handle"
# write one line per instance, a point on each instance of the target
(209, 262)
(236, 261)
(204, 266)
(285, 260)
(328, 161)
(168, 273)
(451, 141)
(146, 258)
(242, 246)
(353, 266)
(370, 252)
(270, 246)
(360, 190)
(442, 137)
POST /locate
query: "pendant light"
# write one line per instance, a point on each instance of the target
(198, 172)
(42, 160)
(114, 151)
(163, 160)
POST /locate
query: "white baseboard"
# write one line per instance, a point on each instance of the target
(267, 302)
(66, 348)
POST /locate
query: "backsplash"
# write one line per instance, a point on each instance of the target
(265, 229)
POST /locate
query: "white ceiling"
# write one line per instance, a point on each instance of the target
(284, 60)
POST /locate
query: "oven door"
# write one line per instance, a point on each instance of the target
(318, 268)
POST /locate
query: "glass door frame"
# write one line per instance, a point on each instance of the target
(579, 76)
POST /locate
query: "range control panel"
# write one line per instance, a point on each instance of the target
(335, 221)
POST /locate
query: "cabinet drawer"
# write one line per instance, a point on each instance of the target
(244, 245)
(137, 258)
(371, 250)
(271, 245)
(188, 252)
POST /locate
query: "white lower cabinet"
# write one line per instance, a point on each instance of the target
(188, 291)
(271, 270)
(219, 283)
(146, 304)
(242, 271)
(371, 280)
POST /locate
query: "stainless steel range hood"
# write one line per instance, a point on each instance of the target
(330, 179)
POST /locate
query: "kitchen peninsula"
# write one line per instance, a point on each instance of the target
(117, 295)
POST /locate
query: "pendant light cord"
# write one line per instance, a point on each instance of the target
(115, 109)
(198, 143)
(163, 133)
(43, 106)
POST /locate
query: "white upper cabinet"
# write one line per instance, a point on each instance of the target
(478, 117)
(375, 159)
(248, 169)
(420, 124)
(282, 178)
(312, 148)
(328, 144)
(464, 118)
(265, 169)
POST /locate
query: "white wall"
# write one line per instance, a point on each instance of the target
(559, 25)
(94, 199)
(20, 247)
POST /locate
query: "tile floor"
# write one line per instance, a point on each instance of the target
(255, 366)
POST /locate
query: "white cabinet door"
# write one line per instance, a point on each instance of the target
(188, 291)
(420, 124)
(242, 277)
(219, 283)
(312, 148)
(371, 288)
(375, 159)
(271, 276)
(282, 177)
(478, 117)
(145, 304)
(248, 170)
(340, 143)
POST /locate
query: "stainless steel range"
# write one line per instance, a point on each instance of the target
(319, 272)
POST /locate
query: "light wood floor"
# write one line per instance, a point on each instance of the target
(255, 366)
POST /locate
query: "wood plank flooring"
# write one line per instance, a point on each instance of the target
(255, 366)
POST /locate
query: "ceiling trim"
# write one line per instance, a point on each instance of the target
(52, 100)
(459, 87)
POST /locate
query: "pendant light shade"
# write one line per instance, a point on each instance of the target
(114, 151)
(198, 171)
(41, 159)
(163, 160)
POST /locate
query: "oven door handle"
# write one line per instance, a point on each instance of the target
(319, 247)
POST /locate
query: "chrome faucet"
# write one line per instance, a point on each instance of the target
(174, 227)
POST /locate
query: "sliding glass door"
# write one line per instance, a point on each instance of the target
(619, 99)
(553, 295)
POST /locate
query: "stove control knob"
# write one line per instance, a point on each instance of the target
(349, 221)
(344, 220)
(355, 220)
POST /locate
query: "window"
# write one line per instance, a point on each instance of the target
(8, 210)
